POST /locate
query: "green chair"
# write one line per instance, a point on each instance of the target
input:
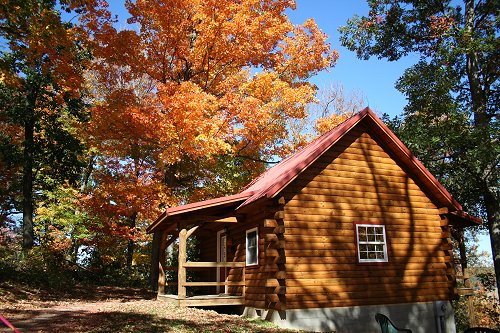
(481, 330)
(387, 326)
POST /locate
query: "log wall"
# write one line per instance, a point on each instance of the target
(358, 181)
(257, 278)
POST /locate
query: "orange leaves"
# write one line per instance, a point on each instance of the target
(266, 101)
(125, 187)
(440, 25)
(305, 52)
(194, 80)
(325, 124)
(190, 120)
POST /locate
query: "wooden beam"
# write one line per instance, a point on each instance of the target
(165, 242)
(270, 223)
(443, 210)
(191, 231)
(161, 264)
(181, 276)
(229, 219)
(279, 215)
(155, 257)
(211, 284)
(169, 241)
(279, 229)
(207, 264)
(211, 219)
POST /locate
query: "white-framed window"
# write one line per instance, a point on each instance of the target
(372, 243)
(252, 246)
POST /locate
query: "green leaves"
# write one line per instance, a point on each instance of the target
(451, 120)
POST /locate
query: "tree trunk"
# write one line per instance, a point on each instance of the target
(479, 99)
(493, 215)
(28, 233)
(131, 242)
(87, 172)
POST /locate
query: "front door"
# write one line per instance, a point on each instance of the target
(221, 257)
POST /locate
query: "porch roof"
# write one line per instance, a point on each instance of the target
(217, 208)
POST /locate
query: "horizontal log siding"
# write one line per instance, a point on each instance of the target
(255, 276)
(357, 181)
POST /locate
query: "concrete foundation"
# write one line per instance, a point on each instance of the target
(429, 317)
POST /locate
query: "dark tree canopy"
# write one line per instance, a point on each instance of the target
(451, 120)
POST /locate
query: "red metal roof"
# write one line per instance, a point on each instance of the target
(275, 179)
(239, 197)
(271, 182)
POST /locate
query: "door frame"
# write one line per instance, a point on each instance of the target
(221, 241)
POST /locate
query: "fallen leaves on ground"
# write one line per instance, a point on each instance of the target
(110, 309)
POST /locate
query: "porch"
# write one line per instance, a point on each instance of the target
(218, 278)
(219, 299)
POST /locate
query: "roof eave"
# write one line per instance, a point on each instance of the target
(197, 206)
(462, 219)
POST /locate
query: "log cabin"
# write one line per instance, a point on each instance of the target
(349, 226)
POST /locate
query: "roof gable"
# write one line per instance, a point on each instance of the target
(271, 182)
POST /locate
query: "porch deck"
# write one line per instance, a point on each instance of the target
(203, 300)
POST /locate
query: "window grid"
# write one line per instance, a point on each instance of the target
(371, 243)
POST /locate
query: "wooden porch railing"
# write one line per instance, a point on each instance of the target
(184, 264)
(181, 278)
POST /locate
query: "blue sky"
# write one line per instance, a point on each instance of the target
(374, 78)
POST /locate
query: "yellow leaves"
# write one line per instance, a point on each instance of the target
(325, 124)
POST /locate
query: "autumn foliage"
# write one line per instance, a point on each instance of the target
(188, 86)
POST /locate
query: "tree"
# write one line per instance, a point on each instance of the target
(41, 69)
(195, 85)
(335, 106)
(451, 120)
(332, 106)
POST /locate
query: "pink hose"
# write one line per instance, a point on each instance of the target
(6, 322)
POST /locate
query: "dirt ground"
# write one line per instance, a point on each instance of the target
(111, 309)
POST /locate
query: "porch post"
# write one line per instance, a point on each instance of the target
(155, 251)
(161, 264)
(181, 278)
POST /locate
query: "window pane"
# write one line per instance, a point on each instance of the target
(252, 248)
(252, 239)
(362, 234)
(252, 257)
